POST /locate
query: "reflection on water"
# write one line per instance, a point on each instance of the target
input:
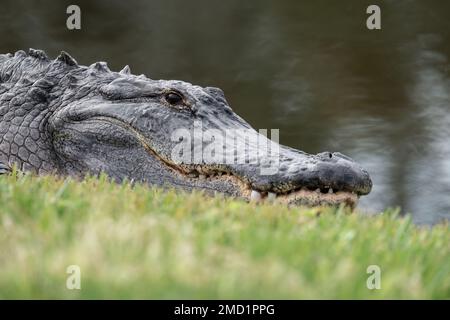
(309, 68)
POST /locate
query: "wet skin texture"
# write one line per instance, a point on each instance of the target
(59, 117)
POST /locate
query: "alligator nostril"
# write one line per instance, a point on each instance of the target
(330, 155)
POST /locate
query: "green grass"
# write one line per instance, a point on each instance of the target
(145, 243)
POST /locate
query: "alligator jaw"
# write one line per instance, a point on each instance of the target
(305, 197)
(298, 197)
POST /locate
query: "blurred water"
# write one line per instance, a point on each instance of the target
(309, 68)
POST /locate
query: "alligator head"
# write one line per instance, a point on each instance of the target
(163, 133)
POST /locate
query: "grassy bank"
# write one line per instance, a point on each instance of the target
(145, 243)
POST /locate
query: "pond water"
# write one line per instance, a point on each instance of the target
(309, 68)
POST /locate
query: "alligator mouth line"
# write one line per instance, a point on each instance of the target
(299, 196)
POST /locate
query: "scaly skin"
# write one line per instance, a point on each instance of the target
(59, 117)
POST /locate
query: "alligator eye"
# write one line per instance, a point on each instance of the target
(174, 98)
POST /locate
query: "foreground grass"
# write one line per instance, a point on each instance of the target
(145, 243)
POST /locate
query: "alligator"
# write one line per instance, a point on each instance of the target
(59, 117)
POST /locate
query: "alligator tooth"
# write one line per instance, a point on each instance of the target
(255, 196)
(271, 196)
(219, 194)
(330, 190)
(193, 175)
(202, 176)
(202, 170)
(317, 190)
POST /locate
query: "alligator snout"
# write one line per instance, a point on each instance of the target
(325, 171)
(309, 179)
